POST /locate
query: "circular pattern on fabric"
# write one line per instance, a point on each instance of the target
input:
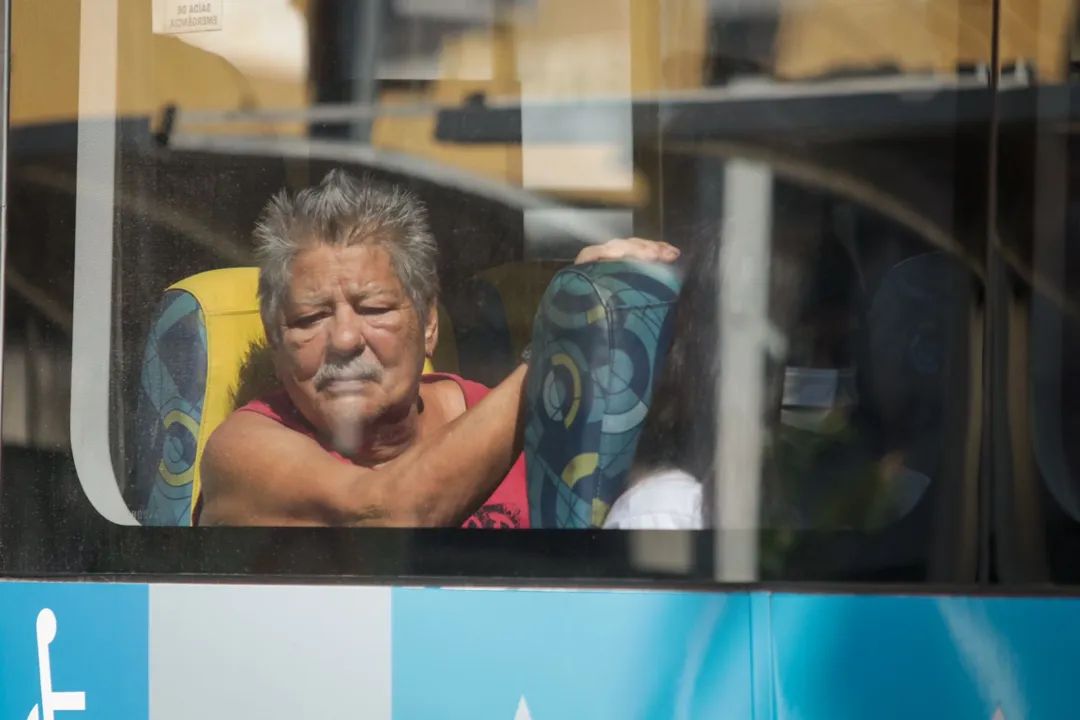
(169, 411)
(597, 337)
(562, 390)
(179, 448)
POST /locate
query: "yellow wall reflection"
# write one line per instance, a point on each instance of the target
(563, 49)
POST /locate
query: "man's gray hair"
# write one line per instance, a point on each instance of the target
(342, 211)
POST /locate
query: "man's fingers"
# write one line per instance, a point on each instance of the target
(656, 249)
(629, 248)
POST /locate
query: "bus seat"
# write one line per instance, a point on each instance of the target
(199, 337)
(598, 338)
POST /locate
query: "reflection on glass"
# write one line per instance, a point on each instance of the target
(808, 375)
(1039, 498)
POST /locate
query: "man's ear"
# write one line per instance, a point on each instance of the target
(431, 329)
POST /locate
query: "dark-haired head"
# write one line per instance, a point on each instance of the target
(811, 306)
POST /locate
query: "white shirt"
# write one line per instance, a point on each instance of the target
(671, 500)
(668, 500)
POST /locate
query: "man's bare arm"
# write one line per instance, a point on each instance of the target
(256, 472)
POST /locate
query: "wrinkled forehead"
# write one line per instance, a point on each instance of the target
(322, 272)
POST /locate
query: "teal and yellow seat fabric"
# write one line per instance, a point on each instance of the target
(201, 332)
(201, 341)
(600, 335)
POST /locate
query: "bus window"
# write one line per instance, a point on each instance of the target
(1037, 510)
(320, 288)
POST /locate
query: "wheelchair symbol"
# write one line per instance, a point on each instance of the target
(51, 702)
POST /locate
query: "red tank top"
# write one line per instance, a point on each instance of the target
(508, 506)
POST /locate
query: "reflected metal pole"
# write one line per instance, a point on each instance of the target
(345, 42)
(5, 84)
(366, 52)
(745, 254)
(33, 380)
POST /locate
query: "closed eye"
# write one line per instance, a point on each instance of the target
(306, 321)
(372, 310)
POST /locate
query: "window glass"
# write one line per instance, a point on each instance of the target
(1037, 515)
(795, 396)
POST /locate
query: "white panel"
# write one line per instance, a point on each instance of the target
(95, 181)
(188, 16)
(224, 651)
(744, 333)
(260, 37)
(572, 67)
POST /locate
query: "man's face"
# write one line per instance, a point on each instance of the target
(352, 348)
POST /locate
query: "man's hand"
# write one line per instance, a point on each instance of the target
(628, 249)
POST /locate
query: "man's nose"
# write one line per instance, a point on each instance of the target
(347, 333)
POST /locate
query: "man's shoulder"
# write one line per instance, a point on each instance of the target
(244, 421)
(245, 442)
(474, 392)
(277, 406)
(272, 413)
(271, 404)
(244, 453)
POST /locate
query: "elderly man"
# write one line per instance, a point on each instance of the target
(357, 435)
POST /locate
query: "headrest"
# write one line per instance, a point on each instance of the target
(199, 337)
(598, 339)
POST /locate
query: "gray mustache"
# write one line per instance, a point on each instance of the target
(356, 369)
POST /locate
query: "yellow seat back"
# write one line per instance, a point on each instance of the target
(229, 305)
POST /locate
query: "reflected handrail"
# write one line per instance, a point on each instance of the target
(742, 90)
(587, 228)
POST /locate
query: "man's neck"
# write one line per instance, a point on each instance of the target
(395, 432)
(385, 439)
